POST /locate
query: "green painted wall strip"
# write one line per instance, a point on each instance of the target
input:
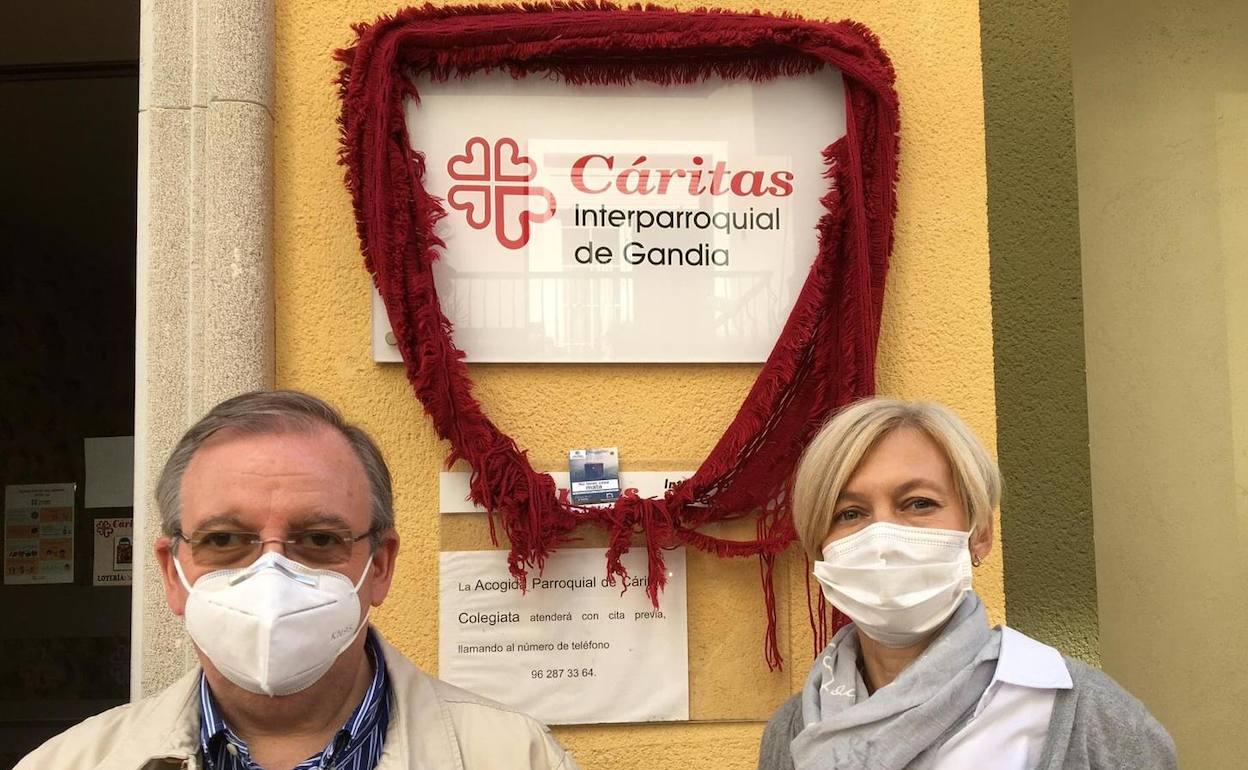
(1042, 416)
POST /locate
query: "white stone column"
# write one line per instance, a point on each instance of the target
(204, 315)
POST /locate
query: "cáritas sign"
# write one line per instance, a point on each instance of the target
(646, 224)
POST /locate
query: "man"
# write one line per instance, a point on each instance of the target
(278, 539)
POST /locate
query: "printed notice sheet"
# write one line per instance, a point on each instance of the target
(39, 533)
(573, 649)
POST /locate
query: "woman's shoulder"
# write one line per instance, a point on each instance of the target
(1105, 721)
(1104, 698)
(788, 716)
(1095, 721)
(782, 728)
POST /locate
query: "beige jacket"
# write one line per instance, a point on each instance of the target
(433, 726)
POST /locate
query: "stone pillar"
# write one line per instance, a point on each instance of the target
(204, 315)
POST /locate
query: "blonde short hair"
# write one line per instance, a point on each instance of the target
(840, 445)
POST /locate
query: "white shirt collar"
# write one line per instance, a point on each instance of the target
(1026, 663)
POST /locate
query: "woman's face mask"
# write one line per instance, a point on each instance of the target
(898, 584)
(897, 560)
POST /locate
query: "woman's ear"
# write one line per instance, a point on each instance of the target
(981, 542)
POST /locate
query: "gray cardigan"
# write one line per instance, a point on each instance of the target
(1096, 725)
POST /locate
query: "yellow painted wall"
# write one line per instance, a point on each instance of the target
(1161, 117)
(936, 343)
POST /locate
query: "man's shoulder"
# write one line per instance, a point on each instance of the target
(84, 745)
(482, 731)
(459, 698)
(462, 705)
(145, 726)
(406, 675)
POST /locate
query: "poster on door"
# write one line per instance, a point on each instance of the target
(39, 533)
(114, 552)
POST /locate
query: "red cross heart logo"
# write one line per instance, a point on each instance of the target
(494, 189)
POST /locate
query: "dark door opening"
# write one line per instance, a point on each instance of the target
(69, 89)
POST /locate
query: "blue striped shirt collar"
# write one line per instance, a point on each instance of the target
(356, 746)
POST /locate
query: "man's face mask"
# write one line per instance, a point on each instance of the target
(276, 626)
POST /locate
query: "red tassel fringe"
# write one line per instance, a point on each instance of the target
(824, 357)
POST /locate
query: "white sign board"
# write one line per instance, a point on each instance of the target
(573, 649)
(453, 486)
(622, 223)
(114, 552)
(39, 533)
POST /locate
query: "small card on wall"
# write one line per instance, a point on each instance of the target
(114, 552)
(594, 475)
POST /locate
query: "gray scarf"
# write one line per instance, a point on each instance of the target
(904, 723)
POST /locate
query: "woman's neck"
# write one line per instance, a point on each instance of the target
(881, 665)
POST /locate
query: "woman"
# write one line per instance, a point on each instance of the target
(894, 501)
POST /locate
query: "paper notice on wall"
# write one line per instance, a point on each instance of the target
(110, 472)
(114, 552)
(39, 533)
(573, 649)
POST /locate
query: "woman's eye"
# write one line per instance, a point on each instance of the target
(922, 504)
(849, 514)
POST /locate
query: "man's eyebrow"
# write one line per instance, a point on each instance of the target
(222, 520)
(321, 519)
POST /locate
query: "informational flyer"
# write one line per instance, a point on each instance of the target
(114, 552)
(39, 533)
(575, 648)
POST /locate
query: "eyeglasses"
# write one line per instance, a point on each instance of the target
(222, 549)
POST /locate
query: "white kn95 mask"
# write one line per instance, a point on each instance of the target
(897, 583)
(276, 626)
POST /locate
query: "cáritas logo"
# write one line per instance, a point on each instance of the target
(493, 188)
(493, 184)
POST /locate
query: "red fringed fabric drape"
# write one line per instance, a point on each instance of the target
(825, 355)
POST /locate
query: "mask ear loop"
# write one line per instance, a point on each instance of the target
(356, 588)
(355, 591)
(177, 566)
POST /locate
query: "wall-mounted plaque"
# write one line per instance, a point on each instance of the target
(622, 223)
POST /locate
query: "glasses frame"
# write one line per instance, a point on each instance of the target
(258, 542)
